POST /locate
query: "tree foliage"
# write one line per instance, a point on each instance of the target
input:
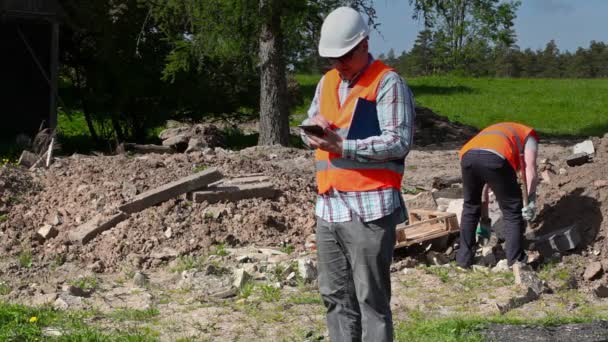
(501, 61)
(461, 27)
(114, 80)
(256, 37)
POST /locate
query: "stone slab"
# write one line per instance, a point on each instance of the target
(249, 179)
(89, 230)
(165, 192)
(234, 192)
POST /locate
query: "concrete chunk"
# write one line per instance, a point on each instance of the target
(527, 278)
(241, 277)
(584, 147)
(234, 192)
(89, 230)
(455, 207)
(47, 232)
(170, 190)
(593, 270)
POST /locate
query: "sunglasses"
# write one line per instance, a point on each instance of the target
(344, 58)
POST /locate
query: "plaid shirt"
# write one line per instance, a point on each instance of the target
(395, 107)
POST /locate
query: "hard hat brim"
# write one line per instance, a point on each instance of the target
(337, 53)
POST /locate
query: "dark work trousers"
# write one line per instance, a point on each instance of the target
(354, 261)
(478, 168)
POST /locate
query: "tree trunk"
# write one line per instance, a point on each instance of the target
(87, 117)
(274, 115)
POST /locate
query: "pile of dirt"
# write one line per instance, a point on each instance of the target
(15, 184)
(576, 197)
(77, 188)
(431, 128)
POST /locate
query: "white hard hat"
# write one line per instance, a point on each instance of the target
(342, 30)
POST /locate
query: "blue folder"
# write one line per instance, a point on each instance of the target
(364, 123)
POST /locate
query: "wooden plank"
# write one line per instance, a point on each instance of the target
(426, 238)
(165, 192)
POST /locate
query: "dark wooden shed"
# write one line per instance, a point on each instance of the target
(29, 50)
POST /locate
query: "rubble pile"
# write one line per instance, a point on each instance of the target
(75, 190)
(573, 201)
(190, 138)
(432, 129)
(80, 208)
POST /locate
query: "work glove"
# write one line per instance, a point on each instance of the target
(529, 211)
(483, 231)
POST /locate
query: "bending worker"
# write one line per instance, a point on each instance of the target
(493, 157)
(366, 113)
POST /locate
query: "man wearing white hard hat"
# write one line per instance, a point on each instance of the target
(361, 124)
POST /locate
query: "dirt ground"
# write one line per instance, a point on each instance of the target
(76, 188)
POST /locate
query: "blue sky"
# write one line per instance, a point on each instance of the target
(570, 23)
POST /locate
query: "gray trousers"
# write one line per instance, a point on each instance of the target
(354, 261)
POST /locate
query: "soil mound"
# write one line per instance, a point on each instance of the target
(432, 128)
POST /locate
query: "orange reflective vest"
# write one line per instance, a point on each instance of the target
(507, 139)
(339, 173)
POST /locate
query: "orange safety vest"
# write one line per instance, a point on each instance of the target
(507, 139)
(339, 173)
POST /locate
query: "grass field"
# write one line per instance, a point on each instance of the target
(574, 107)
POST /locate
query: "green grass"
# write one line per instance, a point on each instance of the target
(308, 84)
(188, 262)
(4, 288)
(443, 273)
(25, 258)
(85, 283)
(577, 107)
(21, 323)
(270, 293)
(220, 250)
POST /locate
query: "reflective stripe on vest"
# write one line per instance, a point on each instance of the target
(347, 164)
